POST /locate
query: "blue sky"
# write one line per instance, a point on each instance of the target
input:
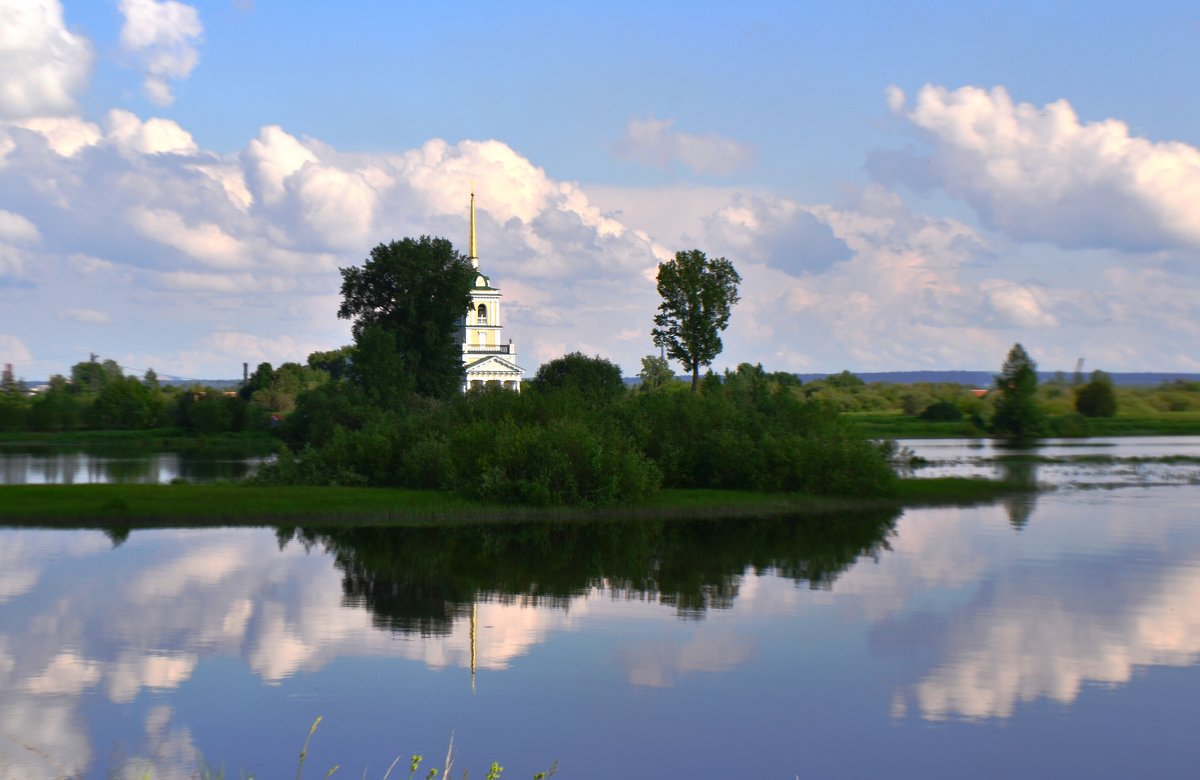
(901, 185)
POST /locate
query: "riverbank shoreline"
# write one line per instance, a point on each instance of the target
(173, 439)
(226, 505)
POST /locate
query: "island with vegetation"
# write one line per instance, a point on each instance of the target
(380, 430)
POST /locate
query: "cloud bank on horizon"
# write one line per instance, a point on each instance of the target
(978, 220)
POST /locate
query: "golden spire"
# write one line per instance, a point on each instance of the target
(474, 258)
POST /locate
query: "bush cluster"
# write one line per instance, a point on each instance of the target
(566, 441)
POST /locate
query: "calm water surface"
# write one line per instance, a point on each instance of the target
(43, 465)
(1056, 637)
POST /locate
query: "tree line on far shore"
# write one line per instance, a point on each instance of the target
(99, 396)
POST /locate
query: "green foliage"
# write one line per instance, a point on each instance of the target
(335, 362)
(698, 296)
(593, 379)
(844, 380)
(656, 372)
(91, 377)
(1017, 413)
(380, 369)
(577, 438)
(755, 431)
(1097, 398)
(14, 407)
(415, 291)
(1069, 426)
(57, 408)
(261, 379)
(275, 390)
(124, 403)
(9, 386)
(322, 410)
(563, 461)
(942, 411)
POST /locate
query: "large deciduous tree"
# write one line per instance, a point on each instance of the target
(416, 290)
(1017, 412)
(698, 295)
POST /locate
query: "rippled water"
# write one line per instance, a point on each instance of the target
(1064, 463)
(1060, 637)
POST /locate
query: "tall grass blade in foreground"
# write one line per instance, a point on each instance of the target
(304, 750)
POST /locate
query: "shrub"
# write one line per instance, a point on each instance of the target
(563, 462)
(1070, 426)
(593, 379)
(1097, 398)
(942, 411)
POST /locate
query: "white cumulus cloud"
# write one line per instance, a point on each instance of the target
(654, 142)
(153, 136)
(43, 65)
(163, 36)
(14, 227)
(206, 242)
(1039, 173)
(1018, 304)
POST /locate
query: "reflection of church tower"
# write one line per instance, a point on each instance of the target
(485, 358)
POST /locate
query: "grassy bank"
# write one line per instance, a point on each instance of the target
(897, 425)
(149, 506)
(174, 439)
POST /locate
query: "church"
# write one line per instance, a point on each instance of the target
(486, 358)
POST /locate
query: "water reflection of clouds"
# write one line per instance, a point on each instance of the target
(41, 737)
(204, 593)
(23, 556)
(1025, 644)
(1083, 597)
(986, 617)
(661, 661)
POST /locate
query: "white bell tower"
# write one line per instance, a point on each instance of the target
(486, 357)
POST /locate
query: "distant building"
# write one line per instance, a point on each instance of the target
(486, 358)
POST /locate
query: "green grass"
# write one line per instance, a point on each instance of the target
(1161, 424)
(897, 425)
(150, 506)
(221, 504)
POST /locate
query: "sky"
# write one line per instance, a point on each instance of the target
(901, 186)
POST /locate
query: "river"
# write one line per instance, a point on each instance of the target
(1056, 635)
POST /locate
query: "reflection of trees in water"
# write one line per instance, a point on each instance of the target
(1020, 467)
(419, 580)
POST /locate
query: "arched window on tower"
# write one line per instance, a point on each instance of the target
(482, 314)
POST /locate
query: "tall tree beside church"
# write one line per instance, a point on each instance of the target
(698, 295)
(417, 291)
